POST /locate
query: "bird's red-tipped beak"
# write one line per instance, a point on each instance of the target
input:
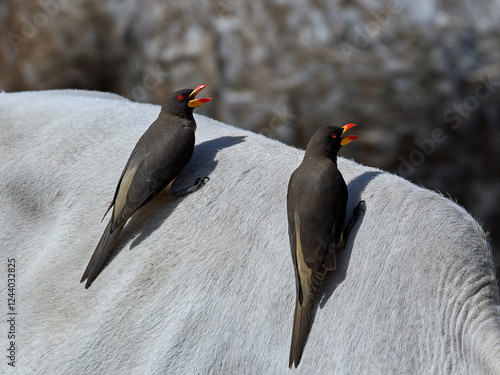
(193, 103)
(349, 138)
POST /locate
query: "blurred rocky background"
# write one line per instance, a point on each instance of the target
(420, 78)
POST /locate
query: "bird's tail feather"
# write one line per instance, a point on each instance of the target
(101, 253)
(303, 316)
(300, 330)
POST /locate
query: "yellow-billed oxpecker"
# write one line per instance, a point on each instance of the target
(316, 207)
(157, 159)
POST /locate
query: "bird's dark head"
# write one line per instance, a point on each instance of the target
(328, 140)
(183, 102)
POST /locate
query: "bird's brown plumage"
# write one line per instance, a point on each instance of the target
(316, 207)
(157, 159)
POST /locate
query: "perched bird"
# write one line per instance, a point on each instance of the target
(157, 159)
(316, 207)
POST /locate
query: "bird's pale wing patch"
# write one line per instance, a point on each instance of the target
(304, 271)
(121, 196)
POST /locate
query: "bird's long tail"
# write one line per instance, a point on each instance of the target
(101, 253)
(303, 315)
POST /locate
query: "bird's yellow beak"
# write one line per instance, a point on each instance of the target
(349, 138)
(193, 103)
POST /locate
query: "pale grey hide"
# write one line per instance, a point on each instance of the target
(204, 284)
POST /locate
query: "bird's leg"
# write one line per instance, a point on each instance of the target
(347, 230)
(197, 185)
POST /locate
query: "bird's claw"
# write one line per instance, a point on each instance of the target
(197, 185)
(201, 181)
(360, 207)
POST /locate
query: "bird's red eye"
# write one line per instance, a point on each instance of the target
(334, 135)
(180, 97)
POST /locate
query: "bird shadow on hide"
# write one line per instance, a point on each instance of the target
(150, 217)
(334, 278)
